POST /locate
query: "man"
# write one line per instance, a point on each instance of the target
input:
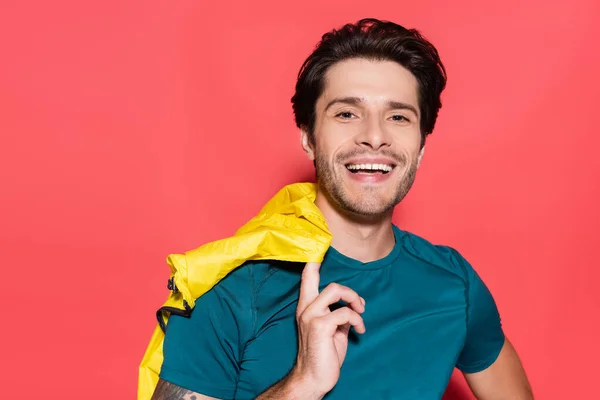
(387, 314)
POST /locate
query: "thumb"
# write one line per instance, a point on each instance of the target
(309, 285)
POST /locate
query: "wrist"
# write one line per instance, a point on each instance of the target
(293, 387)
(301, 387)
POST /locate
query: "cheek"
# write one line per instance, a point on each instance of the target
(334, 146)
(332, 135)
(411, 144)
(325, 147)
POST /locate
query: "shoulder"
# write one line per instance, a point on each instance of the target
(231, 299)
(437, 255)
(269, 272)
(252, 275)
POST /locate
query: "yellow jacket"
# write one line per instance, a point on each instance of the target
(289, 227)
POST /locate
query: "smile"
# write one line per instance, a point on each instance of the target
(369, 168)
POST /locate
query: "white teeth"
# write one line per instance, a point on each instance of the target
(376, 167)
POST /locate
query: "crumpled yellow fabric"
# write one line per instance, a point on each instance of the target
(289, 227)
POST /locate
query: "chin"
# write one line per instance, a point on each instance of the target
(367, 205)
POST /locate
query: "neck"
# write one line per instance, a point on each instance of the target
(361, 238)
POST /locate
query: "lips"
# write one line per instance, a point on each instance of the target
(370, 165)
(369, 168)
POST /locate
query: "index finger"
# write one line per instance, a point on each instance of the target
(309, 286)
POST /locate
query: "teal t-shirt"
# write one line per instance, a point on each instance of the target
(427, 312)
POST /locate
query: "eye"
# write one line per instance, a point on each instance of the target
(400, 118)
(345, 115)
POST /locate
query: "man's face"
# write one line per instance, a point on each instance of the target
(367, 136)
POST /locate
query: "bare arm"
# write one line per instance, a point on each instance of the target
(505, 379)
(290, 387)
(168, 391)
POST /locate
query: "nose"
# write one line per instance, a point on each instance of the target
(373, 134)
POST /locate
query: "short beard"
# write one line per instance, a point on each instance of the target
(358, 208)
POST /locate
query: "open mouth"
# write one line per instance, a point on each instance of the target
(370, 168)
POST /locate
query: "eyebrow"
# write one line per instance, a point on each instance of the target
(354, 101)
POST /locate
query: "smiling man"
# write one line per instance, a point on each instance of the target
(387, 315)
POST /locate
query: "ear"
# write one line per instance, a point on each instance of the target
(421, 154)
(306, 144)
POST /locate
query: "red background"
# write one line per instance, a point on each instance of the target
(135, 129)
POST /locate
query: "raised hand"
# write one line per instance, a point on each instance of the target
(322, 333)
(322, 338)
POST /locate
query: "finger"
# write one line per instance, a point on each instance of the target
(330, 323)
(345, 329)
(309, 286)
(333, 293)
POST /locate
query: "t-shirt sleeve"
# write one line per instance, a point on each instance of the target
(202, 352)
(485, 336)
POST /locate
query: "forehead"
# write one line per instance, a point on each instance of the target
(374, 81)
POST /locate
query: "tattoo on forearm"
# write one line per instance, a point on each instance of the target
(167, 391)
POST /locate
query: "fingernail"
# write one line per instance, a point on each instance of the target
(362, 301)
